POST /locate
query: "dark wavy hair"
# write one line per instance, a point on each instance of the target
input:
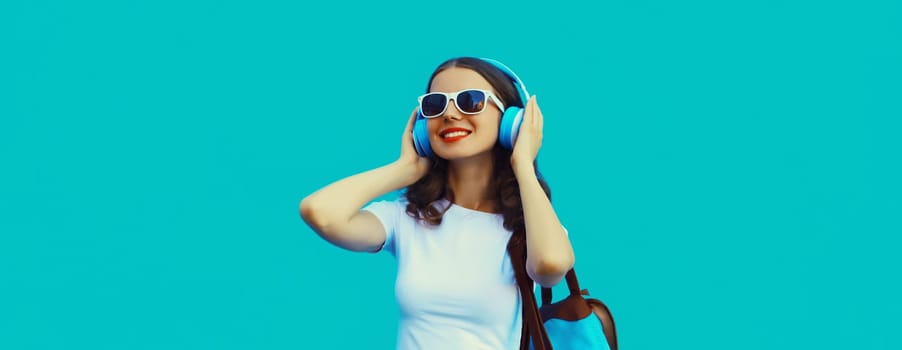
(423, 196)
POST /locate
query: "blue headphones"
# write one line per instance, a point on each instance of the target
(511, 118)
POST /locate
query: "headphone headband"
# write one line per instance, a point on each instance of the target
(518, 84)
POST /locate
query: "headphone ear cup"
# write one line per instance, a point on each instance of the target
(421, 136)
(510, 127)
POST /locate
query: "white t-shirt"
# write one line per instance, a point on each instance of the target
(455, 284)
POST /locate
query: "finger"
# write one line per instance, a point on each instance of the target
(407, 136)
(539, 117)
(532, 111)
(411, 120)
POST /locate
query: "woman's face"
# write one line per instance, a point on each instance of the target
(455, 135)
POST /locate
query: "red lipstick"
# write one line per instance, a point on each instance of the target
(461, 133)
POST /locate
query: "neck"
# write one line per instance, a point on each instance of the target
(471, 182)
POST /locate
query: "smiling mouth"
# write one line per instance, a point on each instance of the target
(455, 135)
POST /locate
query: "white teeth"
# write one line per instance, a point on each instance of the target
(456, 134)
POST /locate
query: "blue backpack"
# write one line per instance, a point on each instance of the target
(574, 323)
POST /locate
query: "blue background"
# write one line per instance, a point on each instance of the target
(728, 170)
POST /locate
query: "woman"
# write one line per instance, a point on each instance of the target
(468, 195)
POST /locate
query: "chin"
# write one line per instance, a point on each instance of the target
(466, 148)
(460, 153)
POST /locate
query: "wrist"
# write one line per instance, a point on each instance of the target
(522, 168)
(405, 173)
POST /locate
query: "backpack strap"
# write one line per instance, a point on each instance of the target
(572, 284)
(532, 328)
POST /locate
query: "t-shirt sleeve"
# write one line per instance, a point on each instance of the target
(389, 213)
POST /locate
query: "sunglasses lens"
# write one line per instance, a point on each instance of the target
(433, 105)
(471, 101)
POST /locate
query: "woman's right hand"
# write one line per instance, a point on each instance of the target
(410, 160)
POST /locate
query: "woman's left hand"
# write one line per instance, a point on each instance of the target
(526, 148)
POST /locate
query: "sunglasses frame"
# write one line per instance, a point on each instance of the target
(448, 97)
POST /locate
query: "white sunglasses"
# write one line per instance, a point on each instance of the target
(468, 101)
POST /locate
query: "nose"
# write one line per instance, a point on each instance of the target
(451, 112)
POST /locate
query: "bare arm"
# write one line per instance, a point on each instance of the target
(549, 254)
(334, 212)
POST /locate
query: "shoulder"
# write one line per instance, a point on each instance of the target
(399, 203)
